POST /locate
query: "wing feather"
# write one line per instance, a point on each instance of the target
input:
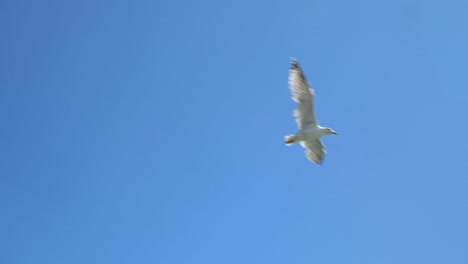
(303, 95)
(315, 150)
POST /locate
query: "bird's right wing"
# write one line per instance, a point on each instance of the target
(302, 94)
(315, 150)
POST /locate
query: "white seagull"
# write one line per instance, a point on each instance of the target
(310, 131)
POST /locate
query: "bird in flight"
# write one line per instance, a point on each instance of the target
(310, 131)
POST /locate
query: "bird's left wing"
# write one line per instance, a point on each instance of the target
(302, 94)
(315, 150)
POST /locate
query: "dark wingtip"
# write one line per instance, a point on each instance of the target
(294, 63)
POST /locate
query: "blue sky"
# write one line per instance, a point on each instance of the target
(152, 132)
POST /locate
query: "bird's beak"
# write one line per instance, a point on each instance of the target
(334, 133)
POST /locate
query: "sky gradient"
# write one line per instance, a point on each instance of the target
(152, 132)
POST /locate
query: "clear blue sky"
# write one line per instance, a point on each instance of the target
(152, 132)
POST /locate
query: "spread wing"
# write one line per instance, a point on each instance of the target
(302, 94)
(315, 150)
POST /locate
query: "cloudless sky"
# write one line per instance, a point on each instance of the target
(152, 132)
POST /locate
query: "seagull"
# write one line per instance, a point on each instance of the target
(310, 131)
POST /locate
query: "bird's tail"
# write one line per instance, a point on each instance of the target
(289, 140)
